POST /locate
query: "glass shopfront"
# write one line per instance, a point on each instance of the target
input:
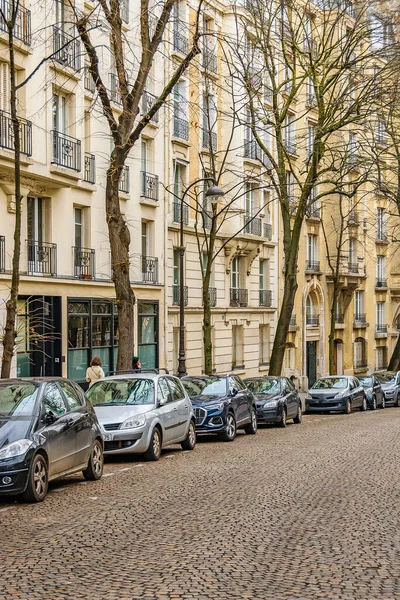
(148, 333)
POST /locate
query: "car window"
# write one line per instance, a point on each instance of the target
(289, 385)
(239, 383)
(353, 384)
(176, 389)
(53, 400)
(73, 399)
(232, 384)
(164, 389)
(122, 391)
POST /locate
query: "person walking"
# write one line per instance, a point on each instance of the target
(136, 363)
(94, 372)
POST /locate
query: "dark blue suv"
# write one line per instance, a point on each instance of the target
(222, 405)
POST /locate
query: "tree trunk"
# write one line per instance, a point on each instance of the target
(207, 340)
(282, 328)
(10, 332)
(119, 244)
(394, 364)
(331, 337)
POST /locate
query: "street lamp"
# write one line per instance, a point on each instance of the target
(214, 192)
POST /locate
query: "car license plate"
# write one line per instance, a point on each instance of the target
(107, 437)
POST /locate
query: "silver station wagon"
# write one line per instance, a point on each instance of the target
(142, 413)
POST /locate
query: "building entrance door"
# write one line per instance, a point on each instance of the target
(311, 362)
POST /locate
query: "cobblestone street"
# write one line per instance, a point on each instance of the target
(308, 512)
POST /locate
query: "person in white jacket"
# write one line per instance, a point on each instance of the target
(94, 372)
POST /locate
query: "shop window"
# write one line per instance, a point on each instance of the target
(148, 334)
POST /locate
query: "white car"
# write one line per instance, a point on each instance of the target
(143, 413)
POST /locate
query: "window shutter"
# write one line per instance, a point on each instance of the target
(4, 87)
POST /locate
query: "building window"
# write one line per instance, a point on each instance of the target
(78, 215)
(148, 334)
(235, 274)
(264, 347)
(381, 271)
(237, 347)
(289, 133)
(360, 353)
(359, 305)
(92, 331)
(380, 316)
(380, 224)
(312, 253)
(310, 139)
(381, 357)
(290, 357)
(312, 316)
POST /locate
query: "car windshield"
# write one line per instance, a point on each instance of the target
(366, 381)
(331, 382)
(386, 377)
(205, 386)
(18, 399)
(264, 386)
(122, 391)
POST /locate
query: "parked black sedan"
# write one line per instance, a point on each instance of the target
(373, 391)
(222, 405)
(277, 399)
(48, 429)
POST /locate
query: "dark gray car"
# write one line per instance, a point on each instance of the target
(390, 383)
(276, 398)
(336, 393)
(373, 390)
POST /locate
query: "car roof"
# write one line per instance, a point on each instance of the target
(204, 376)
(144, 375)
(37, 380)
(265, 377)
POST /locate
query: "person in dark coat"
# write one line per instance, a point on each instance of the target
(136, 363)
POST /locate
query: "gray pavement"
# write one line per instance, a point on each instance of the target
(308, 512)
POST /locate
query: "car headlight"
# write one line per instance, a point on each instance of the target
(389, 391)
(271, 404)
(219, 406)
(340, 394)
(134, 422)
(15, 449)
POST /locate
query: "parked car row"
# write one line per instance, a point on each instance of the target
(49, 428)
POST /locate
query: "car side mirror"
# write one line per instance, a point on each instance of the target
(49, 418)
(234, 392)
(162, 402)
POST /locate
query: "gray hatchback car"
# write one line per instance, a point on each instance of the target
(142, 413)
(336, 393)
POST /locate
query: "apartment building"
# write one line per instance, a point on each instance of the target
(67, 311)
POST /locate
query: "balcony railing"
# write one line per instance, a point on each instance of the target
(265, 298)
(22, 28)
(267, 231)
(149, 269)
(66, 151)
(2, 253)
(123, 185)
(177, 207)
(381, 236)
(314, 212)
(290, 146)
(149, 185)
(148, 101)
(312, 320)
(212, 294)
(7, 134)
(251, 149)
(252, 225)
(42, 258)
(339, 318)
(353, 267)
(360, 319)
(180, 38)
(84, 263)
(353, 217)
(66, 49)
(209, 140)
(181, 128)
(210, 61)
(89, 169)
(114, 88)
(176, 295)
(380, 328)
(238, 297)
(88, 80)
(313, 265)
(311, 99)
(293, 322)
(381, 283)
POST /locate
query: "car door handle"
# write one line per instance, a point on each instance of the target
(175, 410)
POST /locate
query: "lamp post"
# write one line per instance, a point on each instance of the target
(214, 192)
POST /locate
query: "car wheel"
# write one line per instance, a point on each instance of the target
(347, 409)
(94, 470)
(373, 405)
(251, 428)
(383, 405)
(364, 404)
(230, 430)
(38, 480)
(282, 422)
(397, 402)
(299, 417)
(190, 442)
(153, 452)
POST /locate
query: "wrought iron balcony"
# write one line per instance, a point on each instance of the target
(212, 293)
(89, 168)
(42, 258)
(209, 140)
(84, 262)
(238, 297)
(114, 88)
(290, 146)
(7, 134)
(380, 328)
(311, 99)
(381, 283)
(313, 265)
(180, 38)
(176, 295)
(353, 267)
(66, 49)
(312, 320)
(381, 236)
(66, 151)
(339, 318)
(177, 207)
(267, 231)
(123, 185)
(149, 269)
(210, 61)
(88, 80)
(265, 298)
(181, 128)
(149, 185)
(148, 101)
(353, 217)
(251, 149)
(293, 322)
(314, 212)
(360, 319)
(22, 30)
(2, 254)
(252, 225)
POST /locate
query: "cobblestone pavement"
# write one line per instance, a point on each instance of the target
(308, 512)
